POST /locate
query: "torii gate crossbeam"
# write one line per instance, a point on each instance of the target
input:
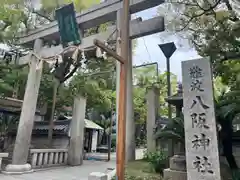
(89, 18)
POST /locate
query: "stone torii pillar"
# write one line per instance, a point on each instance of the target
(152, 114)
(75, 151)
(24, 133)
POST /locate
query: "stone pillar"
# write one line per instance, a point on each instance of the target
(130, 122)
(118, 50)
(198, 101)
(97, 176)
(75, 152)
(94, 140)
(152, 114)
(177, 170)
(23, 139)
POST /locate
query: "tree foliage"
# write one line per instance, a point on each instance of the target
(174, 130)
(17, 16)
(99, 89)
(213, 29)
(145, 77)
(48, 7)
(12, 19)
(12, 80)
(96, 85)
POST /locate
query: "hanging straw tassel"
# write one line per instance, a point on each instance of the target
(59, 59)
(39, 64)
(84, 60)
(104, 55)
(75, 54)
(98, 52)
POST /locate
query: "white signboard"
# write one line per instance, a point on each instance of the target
(199, 121)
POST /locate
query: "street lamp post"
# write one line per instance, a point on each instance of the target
(168, 49)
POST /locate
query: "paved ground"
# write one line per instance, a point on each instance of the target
(64, 173)
(70, 173)
(103, 156)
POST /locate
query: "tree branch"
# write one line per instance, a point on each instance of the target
(190, 20)
(228, 5)
(70, 74)
(198, 5)
(234, 18)
(41, 15)
(186, 4)
(199, 15)
(227, 56)
(196, 44)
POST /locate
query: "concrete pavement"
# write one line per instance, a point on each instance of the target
(64, 173)
(103, 156)
(72, 173)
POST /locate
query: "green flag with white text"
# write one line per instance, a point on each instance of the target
(67, 24)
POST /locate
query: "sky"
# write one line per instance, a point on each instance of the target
(148, 50)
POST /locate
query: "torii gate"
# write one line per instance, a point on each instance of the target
(99, 14)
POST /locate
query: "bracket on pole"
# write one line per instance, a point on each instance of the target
(109, 51)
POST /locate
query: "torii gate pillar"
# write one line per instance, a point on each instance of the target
(21, 148)
(130, 122)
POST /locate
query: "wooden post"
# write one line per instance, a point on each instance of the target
(123, 59)
(121, 133)
(121, 146)
(121, 124)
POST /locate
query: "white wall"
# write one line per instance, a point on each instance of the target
(39, 118)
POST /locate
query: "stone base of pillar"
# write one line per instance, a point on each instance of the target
(97, 176)
(169, 174)
(17, 169)
(178, 163)
(177, 170)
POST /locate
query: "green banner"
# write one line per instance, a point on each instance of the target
(67, 24)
